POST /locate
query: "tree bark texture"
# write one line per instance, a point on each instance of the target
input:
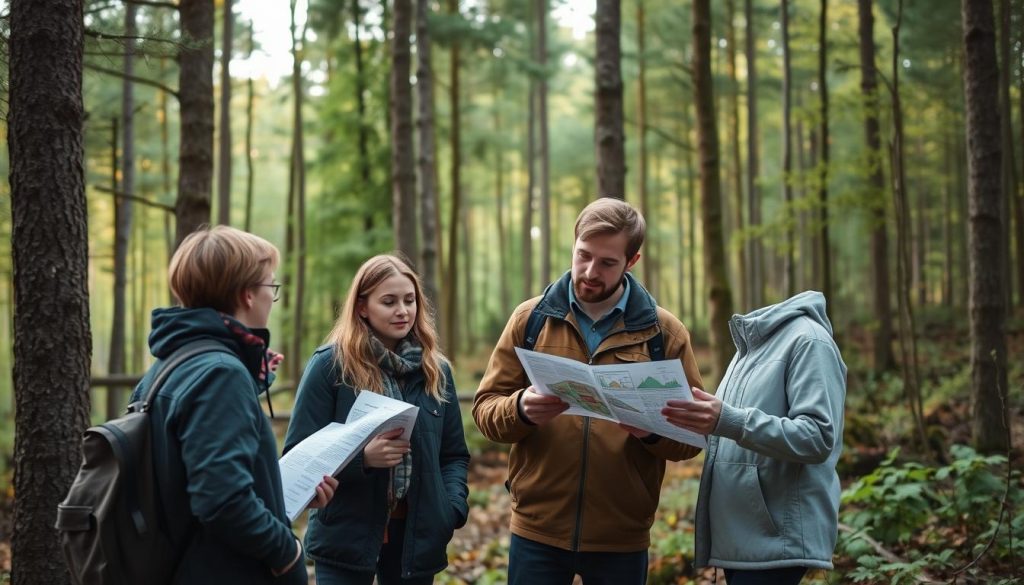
(825, 246)
(451, 292)
(297, 187)
(742, 296)
(123, 211)
(647, 261)
(403, 170)
(789, 273)
(609, 138)
(755, 250)
(985, 231)
(50, 250)
(249, 106)
(224, 151)
(883, 356)
(541, 8)
(427, 159)
(719, 294)
(195, 92)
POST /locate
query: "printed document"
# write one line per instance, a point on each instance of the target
(632, 393)
(328, 450)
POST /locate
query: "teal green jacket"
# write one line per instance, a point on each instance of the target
(769, 493)
(216, 457)
(349, 532)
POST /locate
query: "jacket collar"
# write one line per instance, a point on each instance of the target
(641, 310)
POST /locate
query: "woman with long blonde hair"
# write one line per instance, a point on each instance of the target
(397, 502)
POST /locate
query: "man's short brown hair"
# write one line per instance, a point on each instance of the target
(608, 215)
(213, 265)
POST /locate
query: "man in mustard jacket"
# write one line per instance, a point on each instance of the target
(584, 491)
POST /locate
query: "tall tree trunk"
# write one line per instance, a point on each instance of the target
(224, 152)
(403, 170)
(49, 237)
(499, 197)
(364, 124)
(451, 294)
(641, 124)
(1009, 170)
(692, 215)
(755, 250)
(826, 248)
(531, 183)
(789, 272)
(467, 334)
(195, 92)
(907, 327)
(609, 138)
(1017, 195)
(541, 8)
(122, 213)
(427, 170)
(165, 167)
(947, 221)
(920, 263)
(719, 295)
(297, 187)
(985, 233)
(883, 357)
(742, 294)
(249, 103)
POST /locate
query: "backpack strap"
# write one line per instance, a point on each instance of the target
(656, 346)
(533, 326)
(180, 355)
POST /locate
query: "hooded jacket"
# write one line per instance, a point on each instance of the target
(579, 483)
(215, 456)
(769, 493)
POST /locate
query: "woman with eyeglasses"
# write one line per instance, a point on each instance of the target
(214, 450)
(398, 502)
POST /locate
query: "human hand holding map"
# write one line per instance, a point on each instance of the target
(632, 394)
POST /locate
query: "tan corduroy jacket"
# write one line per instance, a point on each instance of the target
(579, 483)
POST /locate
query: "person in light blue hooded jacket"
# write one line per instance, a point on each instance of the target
(768, 505)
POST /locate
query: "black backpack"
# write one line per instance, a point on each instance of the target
(110, 521)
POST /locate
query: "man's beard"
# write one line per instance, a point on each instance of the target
(596, 297)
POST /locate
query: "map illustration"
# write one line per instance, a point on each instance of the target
(652, 382)
(613, 380)
(579, 394)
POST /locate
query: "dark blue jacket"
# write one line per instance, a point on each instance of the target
(216, 457)
(350, 530)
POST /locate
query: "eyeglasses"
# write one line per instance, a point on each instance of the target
(277, 289)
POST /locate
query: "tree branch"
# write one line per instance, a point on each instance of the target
(140, 80)
(883, 552)
(674, 141)
(136, 198)
(153, 3)
(105, 36)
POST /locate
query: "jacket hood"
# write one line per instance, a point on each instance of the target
(750, 330)
(176, 326)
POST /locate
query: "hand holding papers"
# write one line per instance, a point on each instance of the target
(631, 394)
(328, 450)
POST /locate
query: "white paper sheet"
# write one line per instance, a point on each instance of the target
(630, 393)
(328, 450)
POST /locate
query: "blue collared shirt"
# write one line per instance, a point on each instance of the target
(594, 331)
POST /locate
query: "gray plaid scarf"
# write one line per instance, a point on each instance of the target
(395, 365)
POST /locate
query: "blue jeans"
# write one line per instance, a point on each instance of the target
(533, 563)
(784, 576)
(389, 565)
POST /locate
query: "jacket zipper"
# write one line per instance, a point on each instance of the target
(586, 438)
